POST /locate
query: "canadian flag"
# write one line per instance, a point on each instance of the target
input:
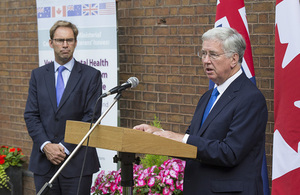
(59, 11)
(286, 147)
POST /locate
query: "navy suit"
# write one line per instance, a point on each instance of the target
(230, 143)
(46, 122)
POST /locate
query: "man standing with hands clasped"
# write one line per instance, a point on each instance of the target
(228, 126)
(62, 90)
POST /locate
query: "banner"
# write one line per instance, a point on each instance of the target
(286, 157)
(232, 13)
(96, 46)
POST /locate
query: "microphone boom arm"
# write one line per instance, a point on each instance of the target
(44, 190)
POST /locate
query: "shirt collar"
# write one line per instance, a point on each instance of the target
(69, 65)
(225, 85)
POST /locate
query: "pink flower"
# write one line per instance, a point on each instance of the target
(168, 176)
(151, 181)
(141, 183)
(166, 191)
(153, 168)
(174, 174)
(113, 187)
(179, 185)
(167, 172)
(169, 181)
(107, 185)
(104, 190)
(141, 176)
(93, 189)
(172, 188)
(175, 166)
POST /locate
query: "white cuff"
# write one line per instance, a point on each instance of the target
(66, 150)
(42, 147)
(185, 138)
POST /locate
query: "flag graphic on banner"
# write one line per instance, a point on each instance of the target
(286, 146)
(232, 13)
(107, 8)
(90, 9)
(58, 11)
(44, 12)
(74, 10)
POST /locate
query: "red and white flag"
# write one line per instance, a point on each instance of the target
(286, 147)
(59, 11)
(232, 13)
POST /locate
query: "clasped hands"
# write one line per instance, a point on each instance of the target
(157, 131)
(55, 153)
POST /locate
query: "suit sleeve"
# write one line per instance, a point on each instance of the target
(32, 114)
(238, 129)
(92, 103)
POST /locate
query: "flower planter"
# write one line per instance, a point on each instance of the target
(15, 184)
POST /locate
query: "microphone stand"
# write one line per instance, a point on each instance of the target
(48, 185)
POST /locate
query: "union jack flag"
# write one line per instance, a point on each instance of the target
(90, 9)
(286, 138)
(232, 13)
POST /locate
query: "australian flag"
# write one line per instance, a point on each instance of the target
(232, 13)
(74, 10)
(44, 12)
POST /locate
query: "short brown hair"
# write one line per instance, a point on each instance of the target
(62, 23)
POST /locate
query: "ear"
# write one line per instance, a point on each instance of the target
(51, 43)
(235, 60)
(75, 43)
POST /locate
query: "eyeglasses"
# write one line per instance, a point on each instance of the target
(211, 55)
(69, 41)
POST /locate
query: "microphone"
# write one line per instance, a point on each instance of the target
(132, 82)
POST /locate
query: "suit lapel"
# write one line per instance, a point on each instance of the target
(72, 82)
(229, 94)
(50, 84)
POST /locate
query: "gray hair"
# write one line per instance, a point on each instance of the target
(232, 41)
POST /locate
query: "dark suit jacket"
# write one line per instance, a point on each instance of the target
(46, 122)
(230, 143)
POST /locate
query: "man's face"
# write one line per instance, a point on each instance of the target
(217, 66)
(63, 44)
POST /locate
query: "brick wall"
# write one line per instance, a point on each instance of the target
(18, 56)
(158, 42)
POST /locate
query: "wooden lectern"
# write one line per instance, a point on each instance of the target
(127, 142)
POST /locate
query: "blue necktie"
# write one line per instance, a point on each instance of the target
(211, 101)
(60, 86)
